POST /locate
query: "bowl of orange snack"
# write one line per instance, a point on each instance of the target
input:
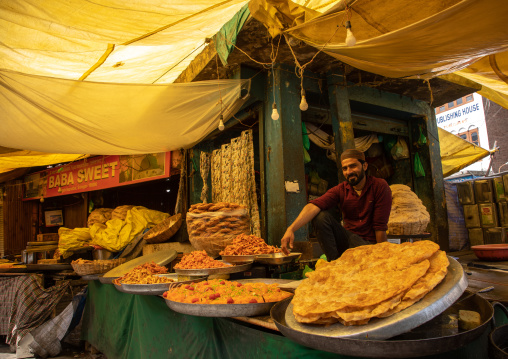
(223, 298)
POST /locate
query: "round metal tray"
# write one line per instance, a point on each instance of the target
(107, 280)
(153, 289)
(239, 259)
(228, 310)
(434, 303)
(278, 258)
(221, 310)
(209, 271)
(424, 340)
(92, 276)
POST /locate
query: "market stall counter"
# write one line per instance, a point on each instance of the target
(134, 326)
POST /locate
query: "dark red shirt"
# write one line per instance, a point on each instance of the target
(362, 214)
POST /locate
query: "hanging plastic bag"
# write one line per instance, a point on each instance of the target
(422, 140)
(306, 156)
(389, 142)
(400, 150)
(419, 171)
(305, 137)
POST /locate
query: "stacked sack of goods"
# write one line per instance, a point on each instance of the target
(212, 226)
(408, 215)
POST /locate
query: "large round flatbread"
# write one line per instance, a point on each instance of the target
(369, 281)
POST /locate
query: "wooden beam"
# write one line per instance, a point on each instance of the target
(198, 64)
(342, 121)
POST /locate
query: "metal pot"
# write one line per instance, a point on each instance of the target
(498, 338)
(102, 254)
(416, 343)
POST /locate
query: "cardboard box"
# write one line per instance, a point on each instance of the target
(45, 237)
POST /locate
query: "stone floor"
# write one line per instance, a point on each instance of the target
(68, 352)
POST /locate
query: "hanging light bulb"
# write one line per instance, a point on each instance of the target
(42, 199)
(275, 114)
(304, 106)
(350, 38)
(221, 123)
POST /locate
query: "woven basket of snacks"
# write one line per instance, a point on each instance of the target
(87, 267)
(212, 226)
(164, 230)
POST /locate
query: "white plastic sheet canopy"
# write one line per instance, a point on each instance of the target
(67, 116)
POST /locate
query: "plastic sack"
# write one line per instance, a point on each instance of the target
(419, 171)
(71, 239)
(99, 215)
(400, 150)
(115, 234)
(213, 231)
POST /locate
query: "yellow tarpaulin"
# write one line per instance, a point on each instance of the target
(116, 234)
(406, 39)
(457, 153)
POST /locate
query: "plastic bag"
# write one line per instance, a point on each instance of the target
(115, 234)
(305, 137)
(422, 140)
(306, 156)
(212, 231)
(400, 150)
(70, 239)
(389, 142)
(419, 171)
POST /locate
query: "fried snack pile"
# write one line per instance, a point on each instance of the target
(199, 260)
(370, 281)
(144, 274)
(218, 291)
(248, 244)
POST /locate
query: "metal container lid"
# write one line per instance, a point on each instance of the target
(160, 258)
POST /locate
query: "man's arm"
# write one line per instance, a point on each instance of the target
(381, 236)
(306, 215)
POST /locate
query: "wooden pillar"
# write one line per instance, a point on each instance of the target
(283, 155)
(430, 188)
(340, 110)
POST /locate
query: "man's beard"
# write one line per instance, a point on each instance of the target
(356, 179)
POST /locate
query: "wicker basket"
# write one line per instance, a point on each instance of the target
(97, 266)
(164, 230)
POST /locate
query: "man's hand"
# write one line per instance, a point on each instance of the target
(287, 240)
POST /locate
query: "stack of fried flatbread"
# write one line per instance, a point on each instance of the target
(370, 281)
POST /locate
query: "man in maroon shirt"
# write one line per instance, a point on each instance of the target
(365, 203)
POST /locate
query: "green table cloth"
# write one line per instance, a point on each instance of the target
(127, 326)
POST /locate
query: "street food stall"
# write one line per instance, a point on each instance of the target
(240, 98)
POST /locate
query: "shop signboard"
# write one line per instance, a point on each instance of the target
(97, 173)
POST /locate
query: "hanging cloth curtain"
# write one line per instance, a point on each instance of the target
(233, 176)
(204, 168)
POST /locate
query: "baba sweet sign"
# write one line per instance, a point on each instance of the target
(97, 173)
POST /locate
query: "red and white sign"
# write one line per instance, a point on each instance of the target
(97, 173)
